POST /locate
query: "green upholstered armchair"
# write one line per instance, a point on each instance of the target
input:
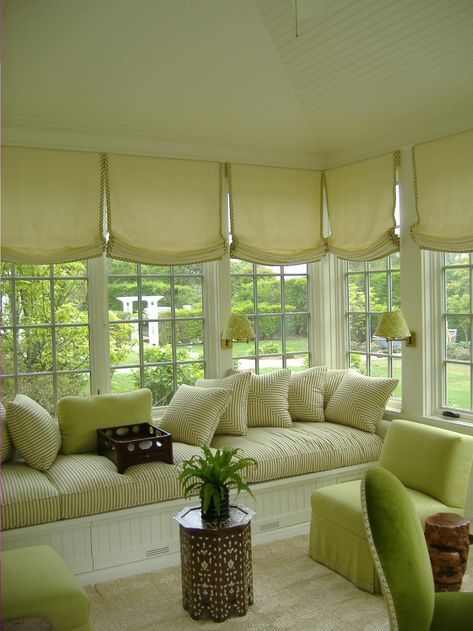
(397, 542)
(434, 464)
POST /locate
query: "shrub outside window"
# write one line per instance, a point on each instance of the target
(371, 288)
(457, 326)
(45, 331)
(275, 299)
(156, 315)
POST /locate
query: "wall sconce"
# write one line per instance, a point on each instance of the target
(392, 325)
(238, 328)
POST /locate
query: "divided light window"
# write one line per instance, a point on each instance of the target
(276, 301)
(44, 331)
(156, 327)
(371, 288)
(457, 325)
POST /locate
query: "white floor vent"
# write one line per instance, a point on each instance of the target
(272, 525)
(157, 552)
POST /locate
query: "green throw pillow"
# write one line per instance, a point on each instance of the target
(81, 417)
(234, 419)
(34, 432)
(360, 401)
(194, 413)
(306, 394)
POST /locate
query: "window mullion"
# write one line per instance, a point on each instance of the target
(52, 307)
(99, 344)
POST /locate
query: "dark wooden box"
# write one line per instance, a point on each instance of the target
(127, 445)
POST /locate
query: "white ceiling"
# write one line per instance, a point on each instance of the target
(308, 83)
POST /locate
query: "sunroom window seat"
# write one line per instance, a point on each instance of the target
(106, 524)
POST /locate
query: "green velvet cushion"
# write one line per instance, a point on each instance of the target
(453, 611)
(81, 417)
(431, 460)
(34, 432)
(399, 550)
(37, 583)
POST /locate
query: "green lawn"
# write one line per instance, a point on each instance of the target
(458, 387)
(458, 395)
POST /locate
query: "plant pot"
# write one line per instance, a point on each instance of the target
(211, 515)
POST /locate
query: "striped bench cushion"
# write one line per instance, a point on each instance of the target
(89, 484)
(29, 498)
(86, 484)
(307, 447)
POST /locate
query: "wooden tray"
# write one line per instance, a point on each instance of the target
(126, 445)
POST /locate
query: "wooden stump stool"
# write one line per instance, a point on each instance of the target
(447, 536)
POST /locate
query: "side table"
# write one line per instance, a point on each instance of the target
(216, 565)
(447, 536)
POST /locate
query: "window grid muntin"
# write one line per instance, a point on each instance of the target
(140, 321)
(365, 268)
(446, 361)
(262, 271)
(15, 327)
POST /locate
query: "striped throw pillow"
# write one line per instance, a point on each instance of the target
(34, 432)
(306, 394)
(360, 401)
(234, 419)
(193, 414)
(333, 378)
(7, 445)
(268, 399)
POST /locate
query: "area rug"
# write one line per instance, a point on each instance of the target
(291, 593)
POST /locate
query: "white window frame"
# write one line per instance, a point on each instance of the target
(282, 274)
(52, 325)
(435, 340)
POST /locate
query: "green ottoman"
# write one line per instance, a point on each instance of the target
(36, 583)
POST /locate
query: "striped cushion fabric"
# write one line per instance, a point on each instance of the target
(333, 378)
(360, 401)
(29, 498)
(34, 432)
(90, 484)
(306, 394)
(304, 448)
(268, 404)
(234, 419)
(194, 413)
(8, 450)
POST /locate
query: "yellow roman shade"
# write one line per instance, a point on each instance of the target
(443, 171)
(164, 211)
(275, 214)
(51, 205)
(361, 200)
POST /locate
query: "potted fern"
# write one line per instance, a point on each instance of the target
(213, 475)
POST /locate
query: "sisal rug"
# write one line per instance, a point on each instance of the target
(291, 593)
